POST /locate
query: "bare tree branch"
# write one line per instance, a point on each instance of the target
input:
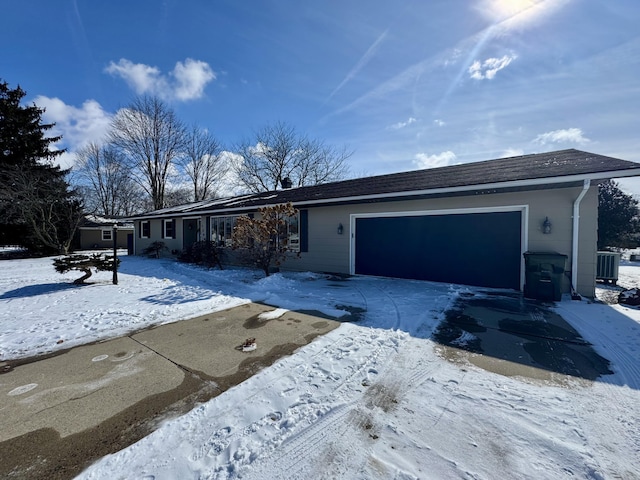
(151, 137)
(277, 152)
(105, 174)
(50, 211)
(202, 163)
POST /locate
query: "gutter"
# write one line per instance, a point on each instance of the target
(576, 237)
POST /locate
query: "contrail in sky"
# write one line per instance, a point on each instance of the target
(361, 63)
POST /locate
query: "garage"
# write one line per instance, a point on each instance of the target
(480, 249)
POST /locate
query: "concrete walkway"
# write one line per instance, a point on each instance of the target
(60, 413)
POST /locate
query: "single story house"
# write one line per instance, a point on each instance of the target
(96, 232)
(469, 224)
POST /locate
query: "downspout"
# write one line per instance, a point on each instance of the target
(576, 236)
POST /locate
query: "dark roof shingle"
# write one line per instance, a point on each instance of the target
(563, 163)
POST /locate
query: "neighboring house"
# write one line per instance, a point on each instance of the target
(96, 232)
(467, 224)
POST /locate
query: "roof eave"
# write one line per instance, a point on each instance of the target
(635, 172)
(484, 186)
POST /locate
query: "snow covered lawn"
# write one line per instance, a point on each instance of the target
(371, 400)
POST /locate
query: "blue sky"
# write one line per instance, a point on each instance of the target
(404, 84)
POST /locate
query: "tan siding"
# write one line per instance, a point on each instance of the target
(330, 252)
(92, 238)
(155, 236)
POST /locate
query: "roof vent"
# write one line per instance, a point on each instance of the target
(286, 182)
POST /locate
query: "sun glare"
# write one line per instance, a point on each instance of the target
(513, 13)
(510, 8)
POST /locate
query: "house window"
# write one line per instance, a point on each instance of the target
(169, 228)
(145, 229)
(107, 235)
(289, 234)
(293, 233)
(222, 230)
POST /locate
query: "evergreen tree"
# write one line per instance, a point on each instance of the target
(617, 217)
(38, 210)
(84, 264)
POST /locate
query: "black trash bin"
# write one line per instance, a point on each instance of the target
(543, 275)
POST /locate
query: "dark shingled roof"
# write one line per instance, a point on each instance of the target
(571, 165)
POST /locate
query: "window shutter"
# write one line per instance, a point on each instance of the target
(173, 228)
(140, 229)
(304, 230)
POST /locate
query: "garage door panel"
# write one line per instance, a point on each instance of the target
(475, 249)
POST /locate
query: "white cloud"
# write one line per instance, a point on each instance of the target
(453, 58)
(488, 69)
(77, 125)
(422, 160)
(186, 82)
(512, 152)
(439, 123)
(399, 125)
(229, 184)
(569, 135)
(141, 78)
(191, 78)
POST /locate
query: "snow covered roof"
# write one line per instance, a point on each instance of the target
(97, 221)
(523, 172)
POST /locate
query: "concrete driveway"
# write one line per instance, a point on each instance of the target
(514, 336)
(61, 413)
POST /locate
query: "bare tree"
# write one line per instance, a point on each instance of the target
(151, 137)
(105, 176)
(202, 163)
(49, 209)
(322, 163)
(177, 195)
(278, 151)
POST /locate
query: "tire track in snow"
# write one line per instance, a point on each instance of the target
(313, 428)
(276, 428)
(346, 429)
(290, 458)
(374, 303)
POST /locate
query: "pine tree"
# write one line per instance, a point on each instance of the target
(38, 210)
(617, 217)
(84, 264)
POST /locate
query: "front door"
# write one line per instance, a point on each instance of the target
(190, 232)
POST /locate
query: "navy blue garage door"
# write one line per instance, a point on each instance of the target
(481, 249)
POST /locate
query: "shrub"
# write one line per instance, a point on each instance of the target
(84, 263)
(264, 242)
(204, 253)
(155, 248)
